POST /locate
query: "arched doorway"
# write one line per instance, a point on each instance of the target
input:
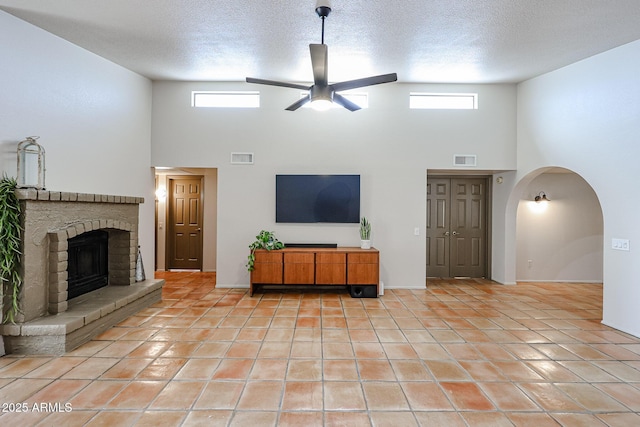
(560, 240)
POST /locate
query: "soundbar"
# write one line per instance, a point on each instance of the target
(310, 245)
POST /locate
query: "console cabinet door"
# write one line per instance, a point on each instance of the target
(267, 268)
(331, 269)
(362, 268)
(299, 268)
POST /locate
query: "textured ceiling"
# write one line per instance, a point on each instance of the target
(454, 41)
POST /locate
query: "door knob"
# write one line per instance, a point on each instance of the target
(446, 233)
(455, 233)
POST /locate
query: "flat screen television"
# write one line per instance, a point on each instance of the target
(318, 198)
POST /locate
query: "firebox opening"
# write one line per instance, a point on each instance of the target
(88, 263)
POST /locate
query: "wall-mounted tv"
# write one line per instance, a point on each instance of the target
(318, 198)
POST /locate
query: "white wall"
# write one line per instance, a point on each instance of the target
(93, 118)
(390, 146)
(559, 241)
(584, 117)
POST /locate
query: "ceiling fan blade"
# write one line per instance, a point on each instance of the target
(341, 100)
(320, 64)
(367, 81)
(277, 83)
(298, 104)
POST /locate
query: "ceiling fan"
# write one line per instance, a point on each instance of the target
(321, 93)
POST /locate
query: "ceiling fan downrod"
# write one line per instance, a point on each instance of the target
(323, 8)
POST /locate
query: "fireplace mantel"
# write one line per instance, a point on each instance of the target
(49, 220)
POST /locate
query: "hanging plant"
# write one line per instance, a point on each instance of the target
(264, 240)
(10, 247)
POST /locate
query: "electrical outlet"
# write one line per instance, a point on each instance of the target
(416, 231)
(530, 263)
(620, 244)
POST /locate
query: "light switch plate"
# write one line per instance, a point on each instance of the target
(620, 244)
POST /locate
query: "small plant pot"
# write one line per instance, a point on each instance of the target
(365, 244)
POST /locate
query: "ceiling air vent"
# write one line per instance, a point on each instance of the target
(464, 160)
(241, 158)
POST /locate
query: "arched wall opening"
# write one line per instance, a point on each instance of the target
(560, 240)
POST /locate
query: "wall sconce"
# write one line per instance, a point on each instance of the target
(161, 194)
(541, 197)
(31, 164)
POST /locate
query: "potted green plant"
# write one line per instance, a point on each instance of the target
(10, 229)
(365, 233)
(264, 240)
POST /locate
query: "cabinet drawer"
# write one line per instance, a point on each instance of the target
(299, 258)
(267, 272)
(268, 256)
(362, 274)
(363, 258)
(327, 258)
(298, 273)
(331, 274)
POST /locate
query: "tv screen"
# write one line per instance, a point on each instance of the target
(318, 198)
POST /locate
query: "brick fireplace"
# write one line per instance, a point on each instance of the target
(50, 322)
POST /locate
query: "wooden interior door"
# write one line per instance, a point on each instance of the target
(184, 243)
(468, 227)
(438, 230)
(456, 227)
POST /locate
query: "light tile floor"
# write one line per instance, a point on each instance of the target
(457, 353)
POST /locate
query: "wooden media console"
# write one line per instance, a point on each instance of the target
(342, 266)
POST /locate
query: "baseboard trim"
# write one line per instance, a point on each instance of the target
(231, 286)
(612, 325)
(421, 286)
(586, 282)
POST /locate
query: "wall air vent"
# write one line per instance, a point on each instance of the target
(464, 160)
(241, 158)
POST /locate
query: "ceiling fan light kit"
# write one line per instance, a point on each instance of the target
(322, 94)
(321, 98)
